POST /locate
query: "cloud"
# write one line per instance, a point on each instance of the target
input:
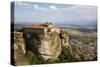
(53, 7)
(74, 13)
(87, 12)
(36, 7)
(22, 3)
(81, 12)
(49, 8)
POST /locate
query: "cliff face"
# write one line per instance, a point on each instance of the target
(18, 48)
(64, 38)
(19, 43)
(45, 40)
(47, 45)
(50, 45)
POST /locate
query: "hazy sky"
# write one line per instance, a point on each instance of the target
(32, 12)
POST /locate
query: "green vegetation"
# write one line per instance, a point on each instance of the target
(35, 59)
(86, 40)
(32, 57)
(67, 55)
(50, 60)
(85, 47)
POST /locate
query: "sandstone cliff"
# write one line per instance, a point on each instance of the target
(48, 45)
(18, 48)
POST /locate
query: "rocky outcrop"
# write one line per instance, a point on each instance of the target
(51, 45)
(47, 45)
(19, 43)
(18, 50)
(64, 38)
(45, 40)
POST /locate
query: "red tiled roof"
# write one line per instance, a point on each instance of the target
(37, 26)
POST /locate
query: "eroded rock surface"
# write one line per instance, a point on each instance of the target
(19, 43)
(48, 45)
(64, 38)
(18, 48)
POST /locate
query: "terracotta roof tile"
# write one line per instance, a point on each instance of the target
(37, 26)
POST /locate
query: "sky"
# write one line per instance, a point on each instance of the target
(35, 12)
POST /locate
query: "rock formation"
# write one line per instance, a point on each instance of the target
(47, 45)
(64, 38)
(19, 43)
(45, 40)
(18, 50)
